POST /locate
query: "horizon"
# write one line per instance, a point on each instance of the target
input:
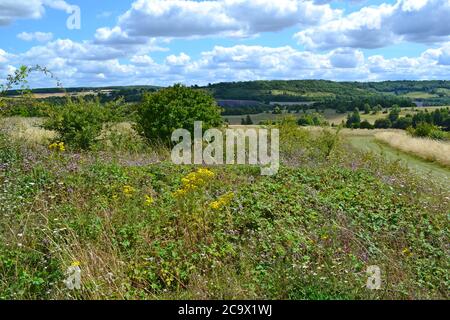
(156, 42)
(216, 83)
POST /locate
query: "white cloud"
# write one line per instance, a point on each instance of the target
(11, 10)
(378, 26)
(86, 63)
(38, 36)
(176, 18)
(179, 60)
(346, 58)
(3, 57)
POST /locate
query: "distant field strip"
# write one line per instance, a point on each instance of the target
(427, 149)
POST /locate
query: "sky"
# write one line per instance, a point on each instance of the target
(161, 42)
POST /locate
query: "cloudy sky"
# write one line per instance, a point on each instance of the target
(161, 42)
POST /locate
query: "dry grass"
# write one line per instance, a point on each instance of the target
(432, 150)
(27, 129)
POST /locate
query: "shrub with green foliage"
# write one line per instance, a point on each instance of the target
(353, 120)
(176, 107)
(79, 123)
(314, 119)
(382, 123)
(426, 130)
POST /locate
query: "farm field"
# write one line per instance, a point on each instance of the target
(329, 114)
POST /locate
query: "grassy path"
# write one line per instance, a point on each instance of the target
(422, 167)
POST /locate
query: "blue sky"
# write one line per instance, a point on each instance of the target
(161, 42)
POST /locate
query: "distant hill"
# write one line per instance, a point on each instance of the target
(434, 91)
(258, 96)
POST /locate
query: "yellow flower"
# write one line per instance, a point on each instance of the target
(222, 201)
(406, 251)
(128, 191)
(57, 146)
(76, 263)
(148, 200)
(215, 205)
(193, 181)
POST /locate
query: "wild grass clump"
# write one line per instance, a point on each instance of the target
(428, 149)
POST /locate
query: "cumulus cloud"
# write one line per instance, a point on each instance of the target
(38, 36)
(11, 10)
(378, 26)
(3, 58)
(176, 18)
(346, 58)
(74, 64)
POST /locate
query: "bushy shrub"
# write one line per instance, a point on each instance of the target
(78, 123)
(426, 130)
(175, 107)
(366, 125)
(314, 119)
(403, 122)
(383, 123)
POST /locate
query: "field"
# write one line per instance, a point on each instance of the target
(421, 165)
(329, 114)
(309, 232)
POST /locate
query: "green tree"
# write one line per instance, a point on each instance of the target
(176, 107)
(353, 119)
(394, 113)
(277, 110)
(248, 120)
(366, 125)
(384, 123)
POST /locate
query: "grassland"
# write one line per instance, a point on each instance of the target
(424, 168)
(428, 149)
(308, 232)
(329, 114)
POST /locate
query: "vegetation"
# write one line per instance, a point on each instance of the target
(431, 150)
(78, 123)
(137, 231)
(140, 227)
(175, 107)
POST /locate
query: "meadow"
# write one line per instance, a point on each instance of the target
(329, 115)
(125, 215)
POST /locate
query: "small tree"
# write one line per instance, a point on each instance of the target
(366, 125)
(248, 120)
(353, 120)
(160, 113)
(79, 123)
(394, 113)
(382, 123)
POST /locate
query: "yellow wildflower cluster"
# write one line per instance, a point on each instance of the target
(223, 201)
(148, 200)
(76, 263)
(128, 191)
(193, 181)
(57, 146)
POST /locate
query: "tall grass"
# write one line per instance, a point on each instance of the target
(428, 149)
